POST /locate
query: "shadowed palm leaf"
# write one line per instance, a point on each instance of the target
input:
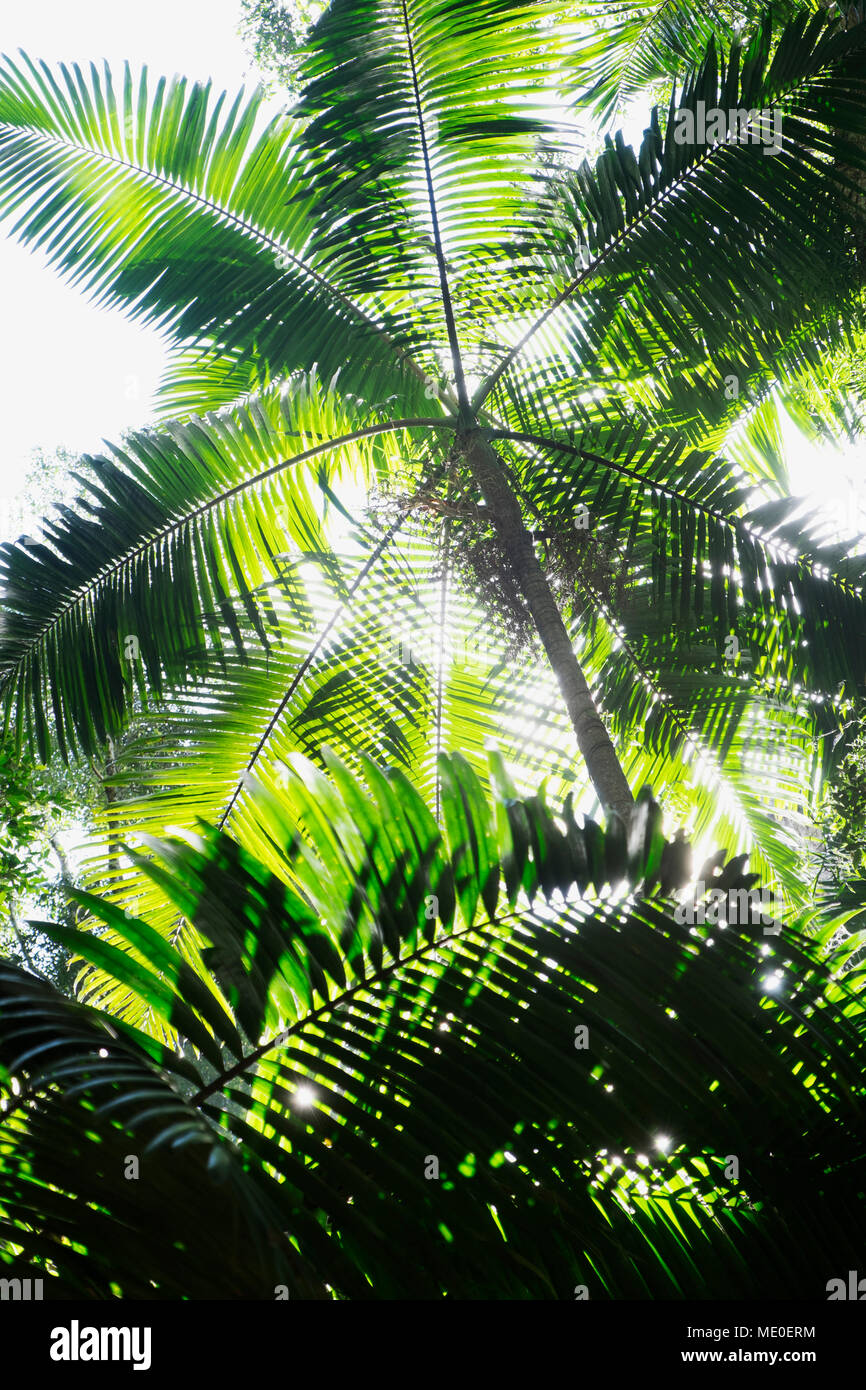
(342, 1044)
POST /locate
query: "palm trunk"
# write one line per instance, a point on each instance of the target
(593, 740)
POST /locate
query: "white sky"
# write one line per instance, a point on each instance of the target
(72, 374)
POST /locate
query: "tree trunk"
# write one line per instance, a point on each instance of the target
(18, 929)
(66, 873)
(593, 740)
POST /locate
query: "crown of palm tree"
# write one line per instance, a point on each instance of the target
(559, 379)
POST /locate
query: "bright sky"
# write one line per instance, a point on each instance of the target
(72, 374)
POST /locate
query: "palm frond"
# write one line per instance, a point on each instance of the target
(192, 214)
(627, 49)
(640, 222)
(181, 526)
(690, 542)
(490, 1084)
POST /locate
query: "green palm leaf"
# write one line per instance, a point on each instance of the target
(190, 214)
(425, 1079)
(182, 529)
(639, 222)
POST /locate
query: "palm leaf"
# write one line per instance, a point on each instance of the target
(184, 527)
(191, 214)
(427, 1081)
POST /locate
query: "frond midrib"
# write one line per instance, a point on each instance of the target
(772, 546)
(629, 228)
(505, 920)
(93, 585)
(225, 214)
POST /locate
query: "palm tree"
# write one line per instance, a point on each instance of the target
(326, 239)
(561, 378)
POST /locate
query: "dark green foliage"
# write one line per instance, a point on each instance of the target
(454, 1038)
